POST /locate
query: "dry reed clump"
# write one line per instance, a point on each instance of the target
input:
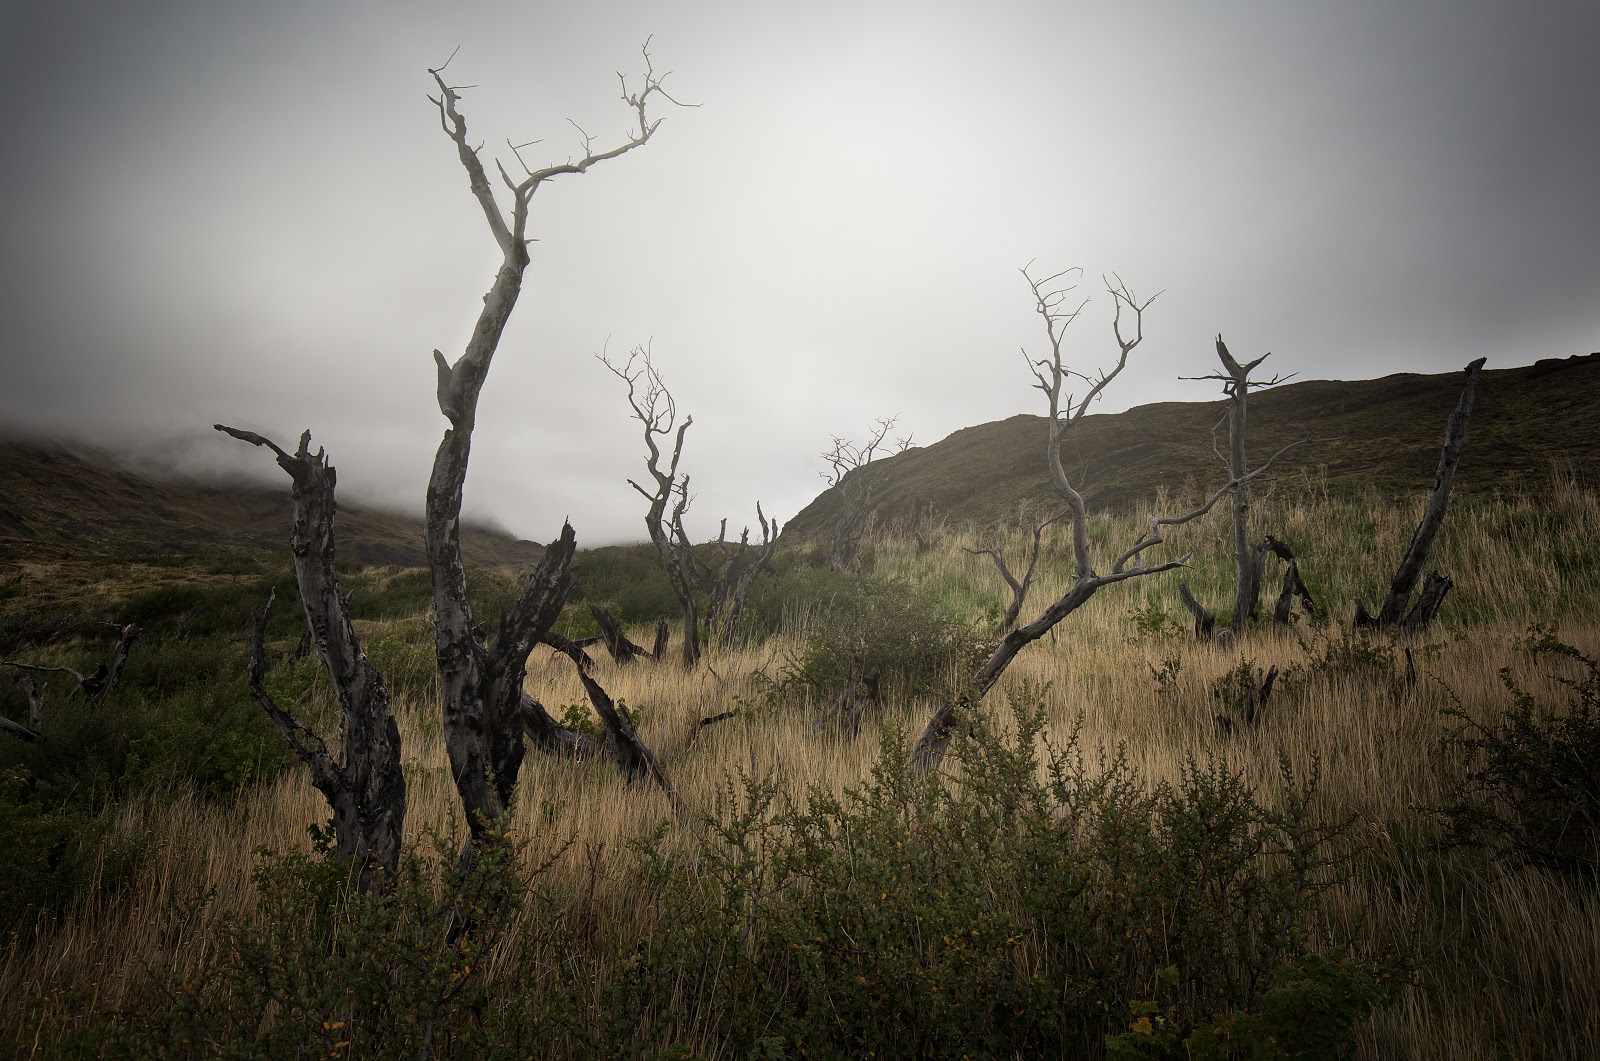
(1506, 963)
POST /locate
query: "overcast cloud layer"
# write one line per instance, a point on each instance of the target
(247, 212)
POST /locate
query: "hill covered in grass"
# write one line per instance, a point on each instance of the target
(58, 498)
(1383, 437)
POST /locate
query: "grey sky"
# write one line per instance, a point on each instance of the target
(247, 212)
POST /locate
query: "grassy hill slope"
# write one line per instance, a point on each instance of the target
(57, 498)
(1385, 437)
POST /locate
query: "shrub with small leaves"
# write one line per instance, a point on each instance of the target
(1529, 788)
(892, 630)
(326, 971)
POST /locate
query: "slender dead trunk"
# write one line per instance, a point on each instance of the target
(1416, 557)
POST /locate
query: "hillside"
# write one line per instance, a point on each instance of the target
(1384, 437)
(58, 498)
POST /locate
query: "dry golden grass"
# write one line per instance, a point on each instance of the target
(1509, 963)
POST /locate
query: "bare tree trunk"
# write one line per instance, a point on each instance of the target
(636, 761)
(1205, 624)
(612, 636)
(551, 736)
(367, 792)
(740, 569)
(656, 410)
(35, 700)
(98, 683)
(119, 659)
(653, 406)
(16, 730)
(1293, 585)
(1416, 557)
(481, 684)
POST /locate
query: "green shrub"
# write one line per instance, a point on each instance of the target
(894, 630)
(992, 914)
(1007, 907)
(1529, 789)
(324, 971)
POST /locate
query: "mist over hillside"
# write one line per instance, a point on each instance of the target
(59, 496)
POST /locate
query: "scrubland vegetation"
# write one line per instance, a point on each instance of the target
(1376, 867)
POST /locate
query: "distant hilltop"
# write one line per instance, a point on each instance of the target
(58, 497)
(1385, 438)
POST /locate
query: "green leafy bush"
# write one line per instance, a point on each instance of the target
(893, 630)
(993, 914)
(325, 971)
(1529, 788)
(1011, 906)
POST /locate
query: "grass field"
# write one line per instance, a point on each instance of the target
(1498, 961)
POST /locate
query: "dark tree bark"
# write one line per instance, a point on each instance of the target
(18, 730)
(1293, 585)
(1416, 557)
(612, 636)
(35, 700)
(552, 737)
(98, 683)
(367, 791)
(1255, 701)
(1205, 624)
(485, 719)
(860, 689)
(636, 761)
(741, 565)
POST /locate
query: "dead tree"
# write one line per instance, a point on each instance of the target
(741, 564)
(1052, 376)
(35, 697)
(95, 685)
(1019, 587)
(487, 714)
(657, 412)
(1293, 585)
(847, 475)
(615, 638)
(1394, 611)
(1248, 557)
(691, 578)
(367, 790)
(485, 710)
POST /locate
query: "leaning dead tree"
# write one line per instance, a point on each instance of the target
(853, 484)
(1394, 611)
(690, 577)
(1053, 301)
